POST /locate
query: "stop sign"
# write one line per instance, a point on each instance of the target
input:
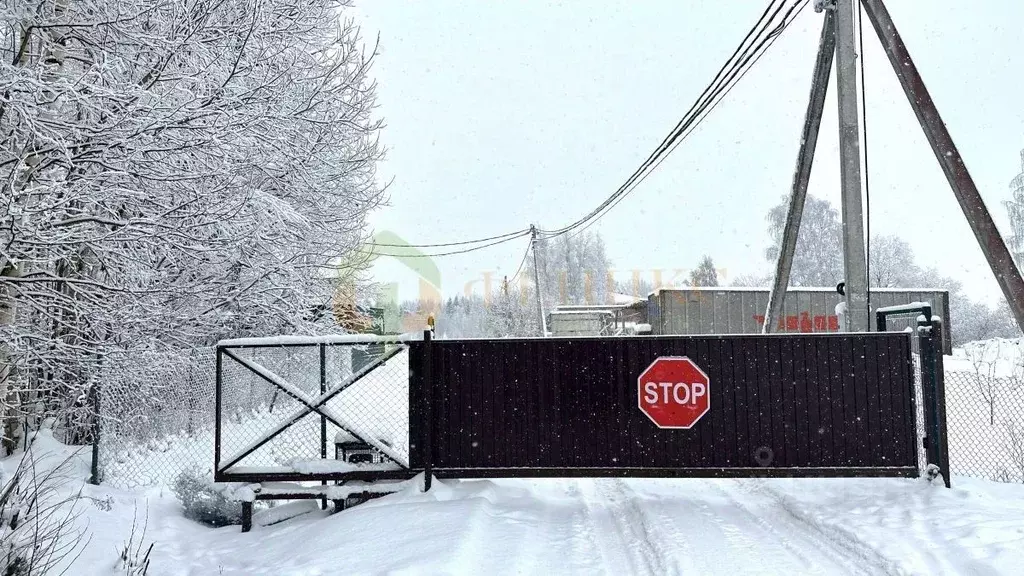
(674, 392)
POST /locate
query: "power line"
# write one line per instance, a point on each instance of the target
(728, 76)
(753, 46)
(446, 244)
(519, 270)
(451, 253)
(691, 123)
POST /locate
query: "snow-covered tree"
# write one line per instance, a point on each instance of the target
(574, 269)
(173, 172)
(705, 273)
(818, 260)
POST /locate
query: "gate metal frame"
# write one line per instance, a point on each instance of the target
(933, 379)
(222, 471)
(421, 440)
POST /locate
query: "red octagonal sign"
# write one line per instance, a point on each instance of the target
(674, 392)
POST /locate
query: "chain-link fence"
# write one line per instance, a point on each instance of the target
(156, 418)
(985, 425)
(286, 407)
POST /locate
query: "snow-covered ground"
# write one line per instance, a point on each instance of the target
(606, 526)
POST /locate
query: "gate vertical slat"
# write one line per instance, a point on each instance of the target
(570, 454)
(604, 416)
(725, 420)
(903, 404)
(787, 401)
(704, 428)
(873, 398)
(828, 454)
(753, 391)
(776, 414)
(561, 352)
(737, 430)
(542, 425)
(556, 410)
(800, 408)
(616, 409)
(860, 366)
(519, 391)
(496, 388)
(811, 391)
(803, 403)
(536, 359)
(723, 434)
(632, 353)
(743, 397)
(600, 415)
(517, 394)
(838, 414)
(589, 404)
(765, 383)
(885, 396)
(850, 404)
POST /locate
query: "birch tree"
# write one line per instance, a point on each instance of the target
(173, 171)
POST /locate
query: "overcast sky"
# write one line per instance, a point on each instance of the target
(502, 114)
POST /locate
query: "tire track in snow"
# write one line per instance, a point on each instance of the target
(726, 540)
(838, 548)
(619, 530)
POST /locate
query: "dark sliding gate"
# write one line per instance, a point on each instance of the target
(780, 405)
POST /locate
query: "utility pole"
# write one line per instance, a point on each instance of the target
(802, 174)
(536, 282)
(858, 317)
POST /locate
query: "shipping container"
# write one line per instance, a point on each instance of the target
(596, 319)
(580, 322)
(708, 310)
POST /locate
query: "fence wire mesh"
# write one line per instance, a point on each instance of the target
(984, 387)
(156, 418)
(985, 422)
(269, 412)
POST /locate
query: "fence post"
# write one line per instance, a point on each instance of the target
(932, 395)
(428, 411)
(217, 393)
(940, 399)
(323, 419)
(96, 430)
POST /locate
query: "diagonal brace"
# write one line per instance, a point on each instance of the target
(802, 174)
(964, 188)
(313, 405)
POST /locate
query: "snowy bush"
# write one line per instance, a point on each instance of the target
(37, 517)
(203, 502)
(134, 558)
